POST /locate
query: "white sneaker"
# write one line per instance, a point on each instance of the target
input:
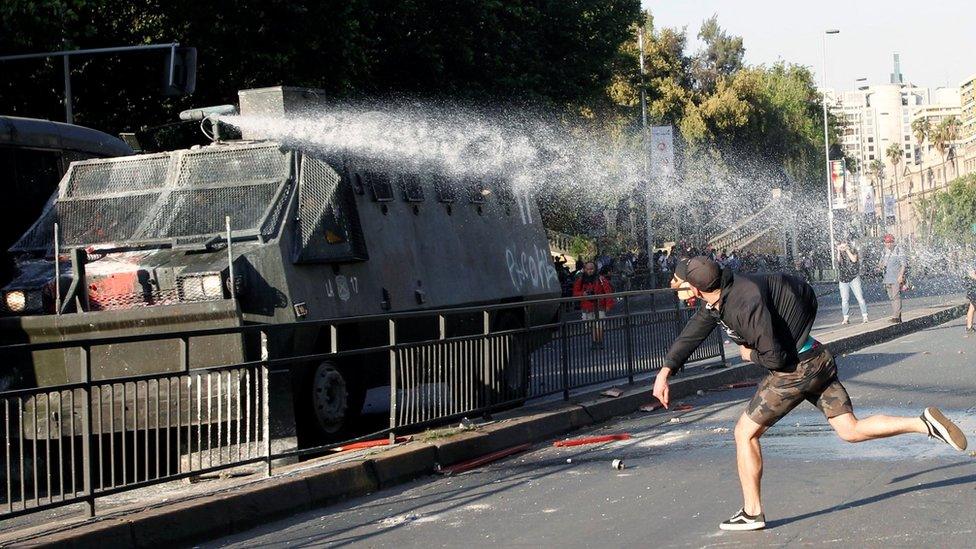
(847, 320)
(864, 319)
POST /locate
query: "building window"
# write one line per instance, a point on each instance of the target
(870, 140)
(870, 157)
(871, 148)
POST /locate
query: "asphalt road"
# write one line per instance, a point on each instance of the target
(680, 481)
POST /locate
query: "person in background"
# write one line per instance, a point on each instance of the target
(893, 264)
(626, 264)
(591, 283)
(971, 296)
(849, 278)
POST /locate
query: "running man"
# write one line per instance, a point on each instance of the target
(770, 316)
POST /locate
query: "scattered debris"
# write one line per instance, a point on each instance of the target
(972, 454)
(466, 424)
(675, 420)
(720, 430)
(612, 392)
(485, 459)
(361, 445)
(699, 392)
(742, 384)
(682, 408)
(617, 464)
(650, 407)
(569, 460)
(926, 353)
(590, 440)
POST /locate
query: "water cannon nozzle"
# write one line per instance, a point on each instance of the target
(211, 113)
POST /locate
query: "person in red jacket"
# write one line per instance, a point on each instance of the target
(592, 283)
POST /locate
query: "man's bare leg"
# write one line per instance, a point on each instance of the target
(851, 429)
(748, 457)
(969, 316)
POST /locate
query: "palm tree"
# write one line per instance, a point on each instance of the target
(940, 140)
(952, 134)
(893, 152)
(921, 128)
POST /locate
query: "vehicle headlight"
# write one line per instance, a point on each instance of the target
(201, 287)
(16, 301)
(23, 301)
(212, 285)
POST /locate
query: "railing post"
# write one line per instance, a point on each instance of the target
(393, 380)
(629, 340)
(86, 423)
(265, 404)
(564, 355)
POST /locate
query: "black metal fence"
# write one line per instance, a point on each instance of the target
(76, 442)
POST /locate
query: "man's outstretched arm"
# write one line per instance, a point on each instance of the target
(693, 334)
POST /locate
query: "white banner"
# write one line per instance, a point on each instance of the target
(889, 207)
(867, 196)
(662, 151)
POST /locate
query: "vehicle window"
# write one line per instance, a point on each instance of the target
(379, 182)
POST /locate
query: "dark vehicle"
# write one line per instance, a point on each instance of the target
(310, 237)
(34, 155)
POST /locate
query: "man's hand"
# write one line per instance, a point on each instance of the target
(901, 279)
(661, 389)
(745, 353)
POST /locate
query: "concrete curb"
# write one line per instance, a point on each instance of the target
(301, 489)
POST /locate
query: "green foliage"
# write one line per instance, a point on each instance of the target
(551, 52)
(951, 214)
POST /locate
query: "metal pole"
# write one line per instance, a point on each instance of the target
(230, 259)
(57, 270)
(391, 327)
(648, 228)
(68, 116)
(830, 201)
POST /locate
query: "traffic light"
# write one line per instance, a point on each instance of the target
(183, 79)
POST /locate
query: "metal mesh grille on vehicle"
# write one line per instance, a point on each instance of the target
(132, 174)
(328, 228)
(102, 219)
(114, 302)
(193, 212)
(232, 166)
(141, 199)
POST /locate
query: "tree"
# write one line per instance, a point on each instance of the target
(921, 128)
(539, 52)
(942, 137)
(721, 56)
(893, 152)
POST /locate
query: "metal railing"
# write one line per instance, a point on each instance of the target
(76, 442)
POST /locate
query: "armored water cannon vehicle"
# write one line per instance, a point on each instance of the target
(252, 232)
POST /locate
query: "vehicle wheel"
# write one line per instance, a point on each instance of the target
(330, 398)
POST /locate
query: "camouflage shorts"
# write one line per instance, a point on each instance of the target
(814, 380)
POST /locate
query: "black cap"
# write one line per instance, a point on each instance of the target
(681, 268)
(704, 274)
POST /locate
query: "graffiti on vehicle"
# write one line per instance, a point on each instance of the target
(531, 269)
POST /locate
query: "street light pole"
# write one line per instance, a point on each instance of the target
(830, 200)
(648, 228)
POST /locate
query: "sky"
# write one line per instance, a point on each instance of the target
(936, 39)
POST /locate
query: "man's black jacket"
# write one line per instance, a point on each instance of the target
(772, 314)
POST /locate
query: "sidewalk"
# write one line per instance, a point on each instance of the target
(177, 512)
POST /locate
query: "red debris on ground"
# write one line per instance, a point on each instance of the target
(682, 408)
(590, 440)
(485, 459)
(370, 444)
